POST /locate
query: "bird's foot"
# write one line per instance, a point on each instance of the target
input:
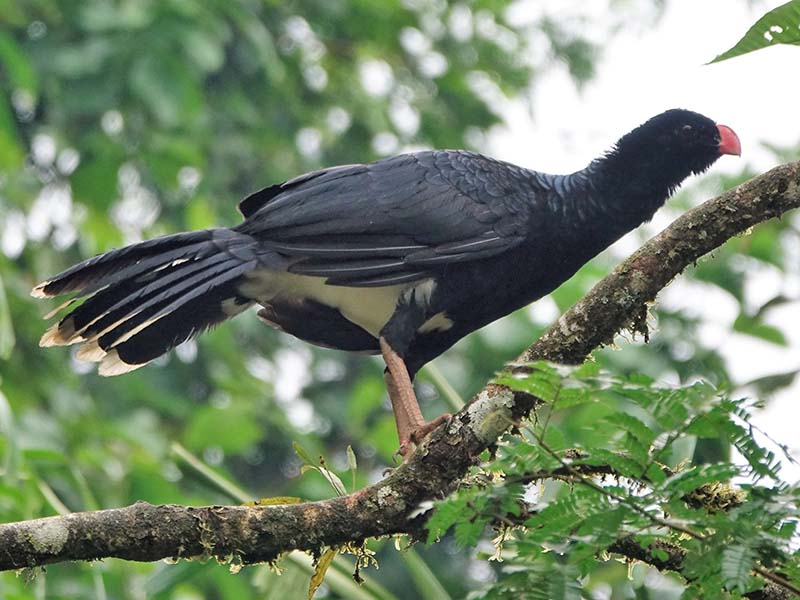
(420, 432)
(408, 444)
(405, 450)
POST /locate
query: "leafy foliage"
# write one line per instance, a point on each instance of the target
(781, 25)
(561, 497)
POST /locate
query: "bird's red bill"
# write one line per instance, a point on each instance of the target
(728, 141)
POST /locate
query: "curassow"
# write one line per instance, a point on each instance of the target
(403, 256)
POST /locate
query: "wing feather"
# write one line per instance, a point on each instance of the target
(395, 220)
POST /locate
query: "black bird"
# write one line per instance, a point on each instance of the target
(403, 256)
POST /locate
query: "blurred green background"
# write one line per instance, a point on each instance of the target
(123, 120)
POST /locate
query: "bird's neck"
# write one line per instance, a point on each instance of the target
(627, 190)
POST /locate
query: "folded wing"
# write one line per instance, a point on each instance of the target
(397, 220)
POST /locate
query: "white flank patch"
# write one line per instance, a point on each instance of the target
(368, 307)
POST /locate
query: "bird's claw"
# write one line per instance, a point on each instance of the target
(420, 432)
(407, 446)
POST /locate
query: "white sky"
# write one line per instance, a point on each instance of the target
(643, 73)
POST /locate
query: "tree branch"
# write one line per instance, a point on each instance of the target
(670, 557)
(250, 534)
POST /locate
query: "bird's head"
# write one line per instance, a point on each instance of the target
(680, 141)
(648, 164)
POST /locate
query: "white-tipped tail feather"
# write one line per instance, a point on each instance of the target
(60, 334)
(38, 291)
(90, 352)
(142, 300)
(111, 365)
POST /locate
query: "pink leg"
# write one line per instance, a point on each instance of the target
(411, 425)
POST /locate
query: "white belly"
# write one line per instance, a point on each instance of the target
(368, 307)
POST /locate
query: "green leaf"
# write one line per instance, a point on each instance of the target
(203, 48)
(655, 474)
(20, 70)
(11, 154)
(352, 465)
(167, 88)
(574, 396)
(351, 458)
(712, 425)
(750, 326)
(737, 560)
(94, 182)
(232, 429)
(779, 26)
(467, 533)
(635, 449)
(564, 585)
(669, 409)
(559, 518)
(625, 466)
(769, 384)
(334, 480)
(763, 462)
(7, 338)
(303, 454)
(634, 426)
(687, 481)
(543, 381)
(447, 513)
(44, 455)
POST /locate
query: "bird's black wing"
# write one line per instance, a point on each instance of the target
(396, 220)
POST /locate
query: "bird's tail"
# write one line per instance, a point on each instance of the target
(142, 300)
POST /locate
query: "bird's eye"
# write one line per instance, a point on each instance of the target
(687, 133)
